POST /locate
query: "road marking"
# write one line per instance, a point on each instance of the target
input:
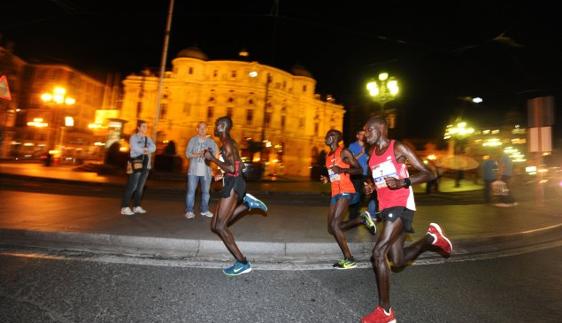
(281, 265)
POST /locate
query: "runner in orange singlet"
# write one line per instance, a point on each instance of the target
(340, 164)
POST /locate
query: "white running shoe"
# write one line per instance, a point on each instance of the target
(127, 211)
(189, 215)
(138, 209)
(208, 214)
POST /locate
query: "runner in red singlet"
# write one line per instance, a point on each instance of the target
(396, 199)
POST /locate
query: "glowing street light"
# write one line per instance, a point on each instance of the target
(477, 100)
(58, 97)
(459, 130)
(384, 89)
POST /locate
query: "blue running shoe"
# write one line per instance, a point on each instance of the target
(253, 202)
(238, 268)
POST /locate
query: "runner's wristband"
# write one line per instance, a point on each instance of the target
(407, 182)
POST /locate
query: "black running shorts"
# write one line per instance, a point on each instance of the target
(236, 183)
(393, 213)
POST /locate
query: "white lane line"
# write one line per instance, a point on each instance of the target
(287, 265)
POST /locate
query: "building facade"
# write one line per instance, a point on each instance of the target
(266, 104)
(42, 125)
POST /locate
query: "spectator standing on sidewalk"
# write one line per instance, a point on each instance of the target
(358, 149)
(141, 146)
(504, 174)
(489, 170)
(199, 170)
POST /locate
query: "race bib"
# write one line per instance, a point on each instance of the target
(382, 170)
(333, 176)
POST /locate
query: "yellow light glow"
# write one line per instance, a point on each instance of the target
(432, 157)
(68, 121)
(46, 97)
(392, 87)
(383, 76)
(460, 130)
(373, 88)
(123, 149)
(58, 98)
(59, 90)
(256, 159)
(38, 123)
(492, 142)
(253, 74)
(70, 101)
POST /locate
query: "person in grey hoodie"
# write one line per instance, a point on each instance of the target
(140, 145)
(199, 170)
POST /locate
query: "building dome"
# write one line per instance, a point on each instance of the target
(192, 52)
(299, 70)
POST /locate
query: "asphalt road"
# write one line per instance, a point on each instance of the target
(524, 288)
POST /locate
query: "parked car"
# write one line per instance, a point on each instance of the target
(253, 171)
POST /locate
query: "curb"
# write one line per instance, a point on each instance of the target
(260, 251)
(122, 185)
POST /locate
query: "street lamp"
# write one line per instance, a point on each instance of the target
(58, 97)
(384, 89)
(254, 74)
(457, 132)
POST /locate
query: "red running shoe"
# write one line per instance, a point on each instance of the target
(439, 239)
(379, 315)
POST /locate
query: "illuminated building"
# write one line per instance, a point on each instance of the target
(198, 89)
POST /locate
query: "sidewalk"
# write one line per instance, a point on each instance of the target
(295, 229)
(37, 171)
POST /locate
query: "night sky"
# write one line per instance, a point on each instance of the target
(505, 53)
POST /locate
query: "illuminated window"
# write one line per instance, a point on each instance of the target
(249, 117)
(229, 111)
(190, 71)
(283, 122)
(267, 119)
(139, 109)
(187, 108)
(316, 128)
(233, 73)
(215, 73)
(301, 122)
(304, 88)
(163, 110)
(210, 113)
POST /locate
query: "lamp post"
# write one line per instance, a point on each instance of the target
(58, 97)
(384, 89)
(456, 132)
(254, 74)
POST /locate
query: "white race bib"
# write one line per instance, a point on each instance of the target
(333, 176)
(382, 170)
